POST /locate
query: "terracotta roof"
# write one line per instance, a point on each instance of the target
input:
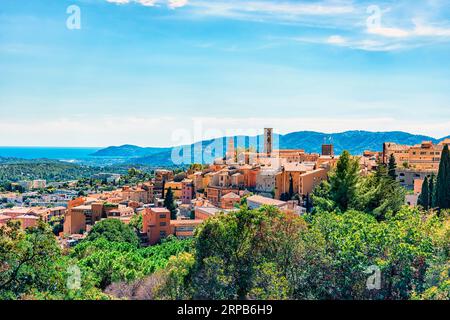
(27, 216)
(185, 222)
(83, 207)
(15, 210)
(298, 167)
(311, 172)
(266, 201)
(210, 210)
(159, 210)
(57, 208)
(231, 195)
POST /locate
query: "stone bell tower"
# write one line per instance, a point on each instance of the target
(231, 151)
(268, 141)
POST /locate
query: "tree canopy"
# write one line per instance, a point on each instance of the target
(344, 180)
(266, 254)
(443, 180)
(113, 230)
(169, 203)
(392, 167)
(377, 193)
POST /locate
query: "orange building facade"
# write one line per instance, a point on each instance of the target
(157, 225)
(424, 156)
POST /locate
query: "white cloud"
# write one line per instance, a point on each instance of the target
(165, 131)
(389, 32)
(430, 30)
(420, 30)
(278, 11)
(177, 3)
(338, 40)
(119, 1)
(172, 4)
(358, 44)
(147, 3)
(398, 27)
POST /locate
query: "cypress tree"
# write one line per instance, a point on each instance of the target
(392, 166)
(169, 203)
(291, 187)
(163, 188)
(432, 192)
(443, 181)
(343, 181)
(424, 198)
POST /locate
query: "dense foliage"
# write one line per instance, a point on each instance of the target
(33, 266)
(169, 203)
(377, 194)
(108, 262)
(13, 170)
(113, 230)
(265, 254)
(359, 242)
(443, 181)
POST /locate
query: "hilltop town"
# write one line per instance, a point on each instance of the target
(175, 203)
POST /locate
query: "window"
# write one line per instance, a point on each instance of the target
(162, 224)
(162, 216)
(162, 234)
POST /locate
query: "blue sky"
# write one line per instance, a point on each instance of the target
(142, 71)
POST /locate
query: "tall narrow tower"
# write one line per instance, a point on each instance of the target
(268, 142)
(327, 147)
(231, 152)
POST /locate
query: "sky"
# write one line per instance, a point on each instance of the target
(167, 72)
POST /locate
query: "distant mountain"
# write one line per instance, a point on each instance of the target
(128, 151)
(354, 141)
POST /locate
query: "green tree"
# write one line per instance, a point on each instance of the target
(392, 167)
(379, 195)
(432, 191)
(239, 254)
(109, 262)
(27, 260)
(269, 283)
(291, 187)
(243, 201)
(321, 198)
(137, 222)
(443, 181)
(175, 276)
(169, 203)
(424, 198)
(344, 180)
(113, 230)
(402, 247)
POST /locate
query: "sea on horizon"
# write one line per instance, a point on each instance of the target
(70, 154)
